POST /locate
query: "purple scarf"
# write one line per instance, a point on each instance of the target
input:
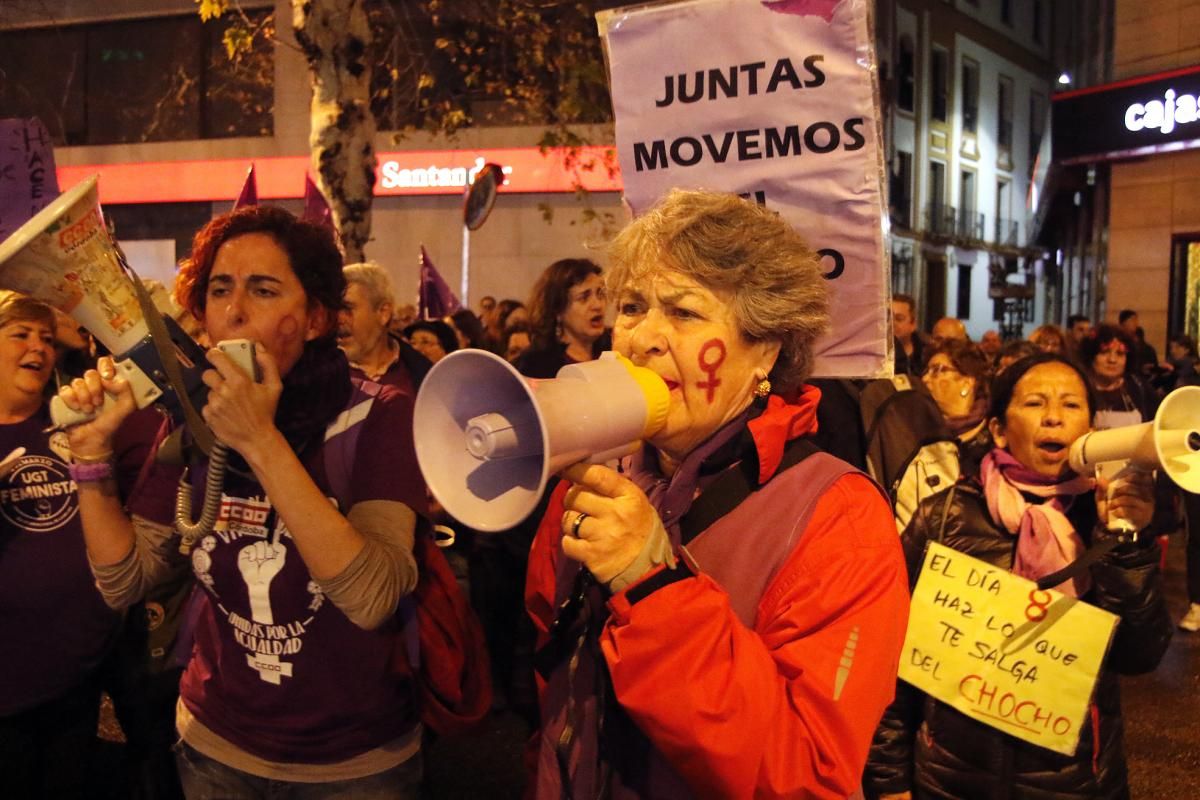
(961, 424)
(1046, 540)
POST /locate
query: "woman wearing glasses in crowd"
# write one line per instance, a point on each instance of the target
(957, 376)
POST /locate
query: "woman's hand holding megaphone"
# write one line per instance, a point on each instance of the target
(619, 528)
(104, 392)
(1130, 500)
(240, 410)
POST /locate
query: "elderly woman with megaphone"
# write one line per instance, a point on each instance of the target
(1028, 512)
(723, 616)
(291, 685)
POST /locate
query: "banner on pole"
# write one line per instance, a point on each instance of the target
(777, 102)
(434, 298)
(992, 645)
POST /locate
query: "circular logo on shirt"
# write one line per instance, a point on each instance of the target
(39, 495)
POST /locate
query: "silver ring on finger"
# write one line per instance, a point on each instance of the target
(578, 521)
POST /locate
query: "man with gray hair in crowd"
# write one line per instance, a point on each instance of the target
(363, 335)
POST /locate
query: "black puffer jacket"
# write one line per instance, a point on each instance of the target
(928, 748)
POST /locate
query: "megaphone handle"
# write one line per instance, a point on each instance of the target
(63, 416)
(1113, 471)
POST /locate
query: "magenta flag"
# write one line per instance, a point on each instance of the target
(249, 194)
(316, 208)
(434, 298)
(28, 181)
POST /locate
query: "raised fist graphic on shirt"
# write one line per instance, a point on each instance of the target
(259, 563)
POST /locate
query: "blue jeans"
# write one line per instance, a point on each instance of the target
(204, 778)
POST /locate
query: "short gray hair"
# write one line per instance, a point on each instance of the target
(729, 244)
(374, 280)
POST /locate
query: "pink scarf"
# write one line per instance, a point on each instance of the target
(1046, 540)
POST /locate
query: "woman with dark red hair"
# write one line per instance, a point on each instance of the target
(291, 682)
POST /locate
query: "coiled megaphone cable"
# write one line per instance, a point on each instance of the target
(189, 530)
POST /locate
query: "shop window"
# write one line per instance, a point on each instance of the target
(161, 79)
(905, 79)
(939, 84)
(1004, 113)
(970, 95)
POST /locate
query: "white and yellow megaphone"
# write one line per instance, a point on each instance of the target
(488, 439)
(65, 257)
(1170, 442)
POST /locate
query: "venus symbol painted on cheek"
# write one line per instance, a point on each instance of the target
(288, 328)
(711, 365)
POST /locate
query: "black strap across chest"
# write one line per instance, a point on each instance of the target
(734, 485)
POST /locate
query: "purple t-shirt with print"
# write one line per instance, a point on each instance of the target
(54, 626)
(276, 668)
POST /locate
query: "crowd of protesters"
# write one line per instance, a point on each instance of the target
(643, 668)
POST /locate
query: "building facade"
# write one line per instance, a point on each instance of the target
(1123, 209)
(966, 88)
(111, 67)
(1154, 218)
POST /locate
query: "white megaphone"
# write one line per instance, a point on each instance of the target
(65, 257)
(1171, 442)
(488, 439)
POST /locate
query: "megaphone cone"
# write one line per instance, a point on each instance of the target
(1171, 442)
(488, 439)
(65, 257)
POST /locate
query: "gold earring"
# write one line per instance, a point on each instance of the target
(763, 389)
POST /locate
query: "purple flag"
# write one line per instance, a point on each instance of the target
(249, 195)
(28, 181)
(434, 298)
(316, 209)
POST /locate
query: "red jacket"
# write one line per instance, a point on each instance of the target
(750, 711)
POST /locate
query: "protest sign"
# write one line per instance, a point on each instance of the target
(775, 101)
(1000, 650)
(28, 181)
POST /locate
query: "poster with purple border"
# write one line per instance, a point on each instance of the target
(28, 181)
(777, 102)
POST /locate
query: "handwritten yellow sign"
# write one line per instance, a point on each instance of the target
(1000, 650)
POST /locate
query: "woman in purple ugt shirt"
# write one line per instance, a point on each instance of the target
(54, 626)
(291, 682)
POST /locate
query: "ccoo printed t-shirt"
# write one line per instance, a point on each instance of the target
(277, 669)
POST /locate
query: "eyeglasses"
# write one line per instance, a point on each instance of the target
(586, 295)
(934, 370)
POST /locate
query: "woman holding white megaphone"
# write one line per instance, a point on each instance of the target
(722, 616)
(1029, 513)
(54, 628)
(291, 688)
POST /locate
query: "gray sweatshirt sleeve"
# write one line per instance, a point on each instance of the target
(370, 587)
(153, 558)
